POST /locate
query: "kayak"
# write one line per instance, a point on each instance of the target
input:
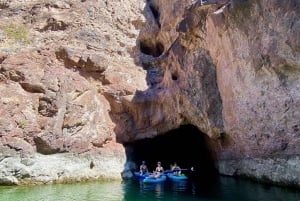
(180, 177)
(138, 175)
(162, 178)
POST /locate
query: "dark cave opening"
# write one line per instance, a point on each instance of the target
(150, 47)
(186, 145)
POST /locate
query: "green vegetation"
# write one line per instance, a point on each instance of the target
(17, 32)
(22, 123)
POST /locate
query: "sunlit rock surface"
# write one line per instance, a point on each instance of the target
(60, 61)
(79, 79)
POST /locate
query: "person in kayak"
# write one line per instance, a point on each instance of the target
(176, 169)
(143, 168)
(159, 170)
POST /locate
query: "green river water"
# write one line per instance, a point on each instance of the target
(227, 189)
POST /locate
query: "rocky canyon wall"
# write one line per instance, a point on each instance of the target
(79, 79)
(59, 61)
(255, 47)
(231, 68)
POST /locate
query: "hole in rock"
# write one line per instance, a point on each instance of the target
(152, 48)
(186, 145)
(174, 77)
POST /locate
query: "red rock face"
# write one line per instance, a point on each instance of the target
(89, 76)
(257, 76)
(230, 71)
(56, 76)
(180, 75)
(258, 79)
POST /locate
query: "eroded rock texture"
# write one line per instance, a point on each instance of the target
(230, 68)
(82, 78)
(54, 86)
(258, 78)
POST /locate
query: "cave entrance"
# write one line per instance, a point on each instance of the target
(186, 145)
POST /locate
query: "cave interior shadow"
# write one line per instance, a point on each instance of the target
(185, 145)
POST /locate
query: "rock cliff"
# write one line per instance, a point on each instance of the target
(80, 79)
(60, 60)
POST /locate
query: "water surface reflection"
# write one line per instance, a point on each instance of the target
(225, 189)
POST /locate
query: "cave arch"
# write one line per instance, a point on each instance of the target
(186, 145)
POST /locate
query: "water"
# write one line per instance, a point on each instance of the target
(227, 189)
